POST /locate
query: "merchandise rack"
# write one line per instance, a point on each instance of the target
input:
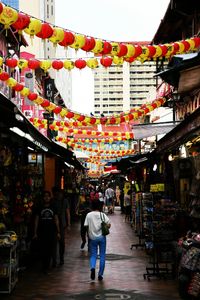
(8, 264)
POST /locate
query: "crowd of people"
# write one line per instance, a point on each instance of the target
(52, 217)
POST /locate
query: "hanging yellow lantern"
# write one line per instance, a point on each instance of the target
(8, 16)
(68, 64)
(145, 53)
(115, 49)
(92, 63)
(11, 82)
(181, 48)
(34, 27)
(192, 44)
(25, 92)
(118, 60)
(79, 41)
(22, 63)
(158, 51)
(99, 44)
(1, 61)
(170, 50)
(57, 36)
(130, 50)
(45, 65)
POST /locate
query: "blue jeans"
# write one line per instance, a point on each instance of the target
(93, 246)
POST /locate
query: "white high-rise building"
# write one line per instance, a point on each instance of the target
(120, 88)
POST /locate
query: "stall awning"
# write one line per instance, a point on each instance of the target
(148, 130)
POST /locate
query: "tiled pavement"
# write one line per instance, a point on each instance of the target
(123, 278)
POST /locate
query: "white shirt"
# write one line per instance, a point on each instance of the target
(93, 221)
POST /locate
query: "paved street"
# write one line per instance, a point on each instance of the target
(123, 278)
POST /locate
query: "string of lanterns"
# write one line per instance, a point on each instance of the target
(64, 127)
(21, 22)
(134, 114)
(91, 141)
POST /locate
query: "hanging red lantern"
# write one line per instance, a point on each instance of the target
(122, 119)
(68, 39)
(186, 45)
(106, 61)
(103, 120)
(152, 50)
(57, 110)
(33, 64)
(45, 103)
(112, 120)
(80, 63)
(18, 87)
(1, 7)
(89, 44)
(70, 115)
(4, 76)
(92, 121)
(45, 32)
(129, 59)
(138, 50)
(11, 62)
(32, 96)
(122, 50)
(57, 64)
(81, 118)
(22, 22)
(197, 41)
(107, 48)
(164, 49)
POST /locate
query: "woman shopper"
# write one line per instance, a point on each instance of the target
(96, 239)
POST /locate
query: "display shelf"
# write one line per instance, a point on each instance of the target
(8, 263)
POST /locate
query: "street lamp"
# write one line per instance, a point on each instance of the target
(47, 116)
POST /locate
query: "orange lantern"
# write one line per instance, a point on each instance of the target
(8, 16)
(34, 27)
(57, 36)
(45, 32)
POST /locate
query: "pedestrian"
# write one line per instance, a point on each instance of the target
(46, 229)
(97, 240)
(62, 206)
(110, 194)
(127, 206)
(83, 210)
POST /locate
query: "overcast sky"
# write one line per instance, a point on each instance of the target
(113, 20)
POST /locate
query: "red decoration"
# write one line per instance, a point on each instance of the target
(57, 64)
(4, 76)
(112, 120)
(138, 50)
(164, 49)
(32, 96)
(80, 64)
(103, 120)
(130, 116)
(70, 115)
(130, 59)
(123, 50)
(22, 22)
(18, 87)
(186, 45)
(197, 41)
(92, 121)
(68, 39)
(81, 118)
(122, 119)
(1, 7)
(57, 110)
(176, 47)
(52, 126)
(106, 61)
(152, 50)
(33, 64)
(11, 62)
(89, 44)
(45, 32)
(45, 103)
(107, 48)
